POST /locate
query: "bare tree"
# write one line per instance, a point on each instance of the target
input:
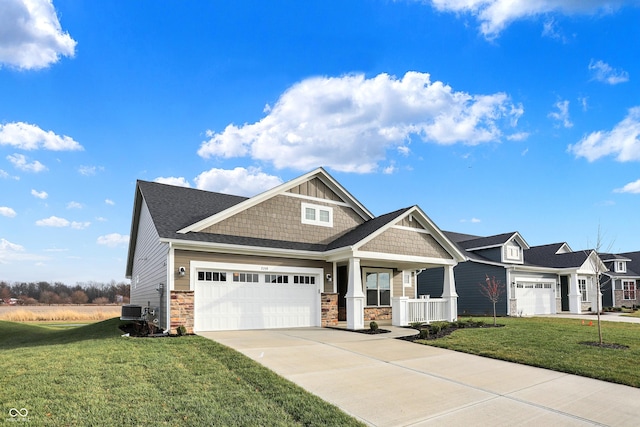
(599, 269)
(492, 289)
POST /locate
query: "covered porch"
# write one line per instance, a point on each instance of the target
(385, 291)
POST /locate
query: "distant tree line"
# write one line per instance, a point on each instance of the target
(58, 293)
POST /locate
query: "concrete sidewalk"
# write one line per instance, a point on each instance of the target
(389, 382)
(606, 317)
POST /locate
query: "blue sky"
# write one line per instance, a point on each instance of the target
(492, 115)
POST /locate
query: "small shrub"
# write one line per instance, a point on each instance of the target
(182, 330)
(416, 325)
(436, 327)
(424, 334)
(373, 326)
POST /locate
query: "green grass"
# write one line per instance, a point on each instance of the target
(555, 344)
(635, 313)
(90, 375)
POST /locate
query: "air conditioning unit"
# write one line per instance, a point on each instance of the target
(131, 312)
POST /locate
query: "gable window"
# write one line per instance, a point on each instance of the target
(317, 215)
(621, 267)
(513, 252)
(378, 287)
(629, 289)
(582, 285)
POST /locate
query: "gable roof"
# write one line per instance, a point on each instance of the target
(319, 173)
(547, 256)
(365, 229)
(179, 213)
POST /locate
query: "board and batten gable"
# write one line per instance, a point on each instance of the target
(280, 218)
(150, 268)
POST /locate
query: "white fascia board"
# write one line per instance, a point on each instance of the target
(523, 243)
(282, 188)
(403, 258)
(189, 245)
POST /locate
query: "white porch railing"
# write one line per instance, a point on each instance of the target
(405, 311)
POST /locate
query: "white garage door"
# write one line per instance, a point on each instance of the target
(535, 298)
(234, 299)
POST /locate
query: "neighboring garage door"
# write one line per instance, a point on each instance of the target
(535, 298)
(248, 298)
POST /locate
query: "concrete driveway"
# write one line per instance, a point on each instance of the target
(388, 382)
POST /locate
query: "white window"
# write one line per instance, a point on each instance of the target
(629, 289)
(582, 285)
(406, 279)
(378, 287)
(621, 267)
(317, 215)
(513, 252)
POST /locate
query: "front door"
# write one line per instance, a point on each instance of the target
(343, 283)
(564, 292)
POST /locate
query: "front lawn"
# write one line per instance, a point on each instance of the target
(555, 344)
(90, 375)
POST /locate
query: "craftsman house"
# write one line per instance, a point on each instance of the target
(536, 280)
(305, 253)
(619, 285)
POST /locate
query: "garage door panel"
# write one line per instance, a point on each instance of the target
(534, 298)
(233, 305)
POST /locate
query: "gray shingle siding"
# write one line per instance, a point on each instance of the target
(468, 276)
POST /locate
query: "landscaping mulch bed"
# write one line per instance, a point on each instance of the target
(448, 330)
(134, 330)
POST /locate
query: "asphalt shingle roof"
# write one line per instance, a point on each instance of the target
(546, 256)
(173, 208)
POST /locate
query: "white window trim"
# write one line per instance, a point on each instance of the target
(621, 267)
(317, 208)
(585, 295)
(635, 290)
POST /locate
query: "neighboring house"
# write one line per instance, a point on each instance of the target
(537, 280)
(619, 285)
(305, 253)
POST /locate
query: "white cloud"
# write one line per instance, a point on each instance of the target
(8, 212)
(632, 187)
(39, 194)
(623, 141)
(604, 73)
(178, 182)
(74, 205)
(53, 221)
(472, 220)
(348, 123)
(109, 202)
(14, 252)
(31, 36)
(389, 169)
(79, 225)
(562, 115)
(30, 137)
(113, 240)
(89, 170)
(496, 15)
(239, 181)
(20, 162)
(519, 136)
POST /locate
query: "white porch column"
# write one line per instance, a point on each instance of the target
(399, 313)
(575, 297)
(449, 293)
(596, 296)
(355, 297)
